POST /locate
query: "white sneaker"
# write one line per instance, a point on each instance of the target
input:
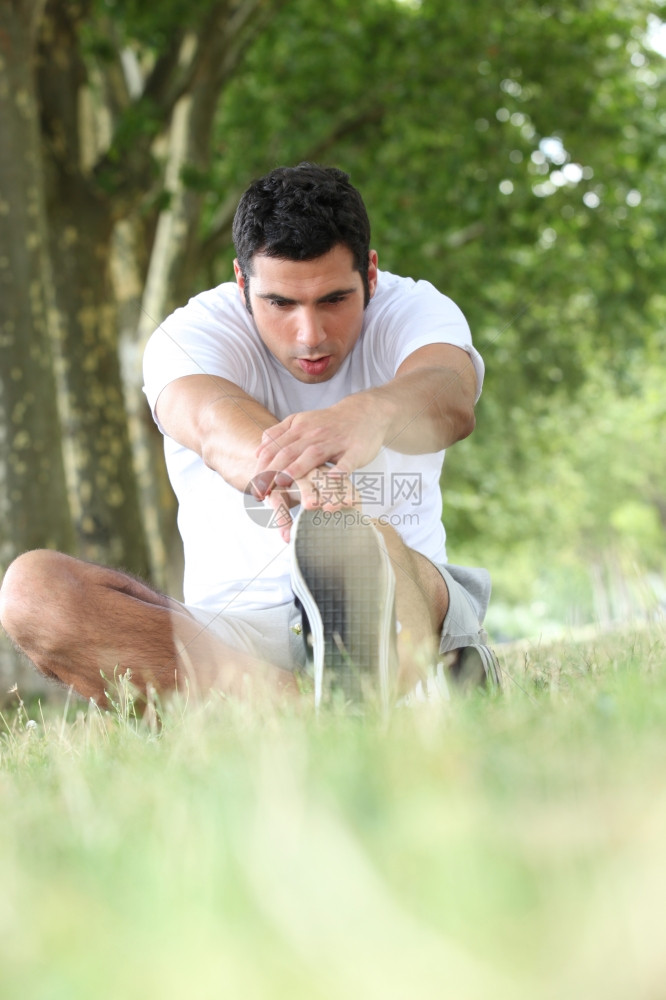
(342, 575)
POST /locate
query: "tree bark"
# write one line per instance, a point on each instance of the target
(174, 261)
(34, 510)
(157, 499)
(103, 489)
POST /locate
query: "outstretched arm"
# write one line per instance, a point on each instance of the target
(219, 421)
(225, 426)
(427, 406)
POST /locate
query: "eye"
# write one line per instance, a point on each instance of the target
(280, 303)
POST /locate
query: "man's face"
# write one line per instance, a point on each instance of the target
(309, 313)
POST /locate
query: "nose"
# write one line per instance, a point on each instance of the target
(310, 332)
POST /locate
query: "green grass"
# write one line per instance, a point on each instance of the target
(510, 847)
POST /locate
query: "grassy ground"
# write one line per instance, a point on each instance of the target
(509, 847)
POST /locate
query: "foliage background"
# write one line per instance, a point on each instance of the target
(512, 155)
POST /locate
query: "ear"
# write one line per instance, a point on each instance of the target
(372, 272)
(240, 280)
(243, 285)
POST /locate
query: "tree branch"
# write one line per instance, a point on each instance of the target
(343, 130)
(116, 91)
(59, 81)
(168, 79)
(219, 233)
(197, 64)
(220, 230)
(33, 11)
(246, 22)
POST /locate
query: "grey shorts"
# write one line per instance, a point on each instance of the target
(275, 634)
(469, 594)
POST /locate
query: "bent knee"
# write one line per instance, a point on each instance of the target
(392, 538)
(29, 586)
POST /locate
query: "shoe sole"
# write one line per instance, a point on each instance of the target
(341, 573)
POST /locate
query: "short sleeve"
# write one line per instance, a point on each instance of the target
(210, 335)
(410, 314)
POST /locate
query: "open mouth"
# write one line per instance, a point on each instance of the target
(314, 366)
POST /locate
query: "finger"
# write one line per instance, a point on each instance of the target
(345, 484)
(269, 445)
(310, 493)
(265, 451)
(262, 484)
(282, 518)
(291, 495)
(288, 487)
(272, 435)
(323, 490)
(341, 467)
(280, 458)
(312, 458)
(281, 427)
(283, 480)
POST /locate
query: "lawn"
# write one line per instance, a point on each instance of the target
(495, 847)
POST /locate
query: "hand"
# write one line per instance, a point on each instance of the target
(324, 488)
(279, 492)
(348, 435)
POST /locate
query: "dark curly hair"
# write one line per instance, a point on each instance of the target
(299, 213)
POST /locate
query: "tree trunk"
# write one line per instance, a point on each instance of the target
(157, 498)
(99, 460)
(34, 510)
(105, 501)
(172, 268)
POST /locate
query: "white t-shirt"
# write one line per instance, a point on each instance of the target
(233, 560)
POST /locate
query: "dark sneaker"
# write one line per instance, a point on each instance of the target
(475, 666)
(432, 688)
(342, 576)
(459, 671)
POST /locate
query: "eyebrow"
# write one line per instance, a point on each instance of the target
(336, 293)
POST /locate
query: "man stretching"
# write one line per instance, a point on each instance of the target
(306, 408)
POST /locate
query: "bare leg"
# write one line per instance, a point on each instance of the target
(81, 623)
(422, 600)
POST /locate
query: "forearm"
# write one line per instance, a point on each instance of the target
(217, 420)
(230, 432)
(422, 411)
